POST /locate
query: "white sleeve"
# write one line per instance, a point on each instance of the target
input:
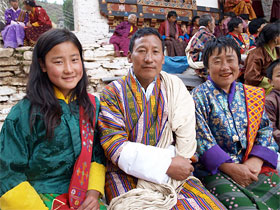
(146, 162)
(13, 22)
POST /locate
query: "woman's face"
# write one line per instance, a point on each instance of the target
(64, 67)
(27, 7)
(223, 68)
(14, 4)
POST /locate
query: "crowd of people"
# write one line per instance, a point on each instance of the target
(147, 142)
(23, 27)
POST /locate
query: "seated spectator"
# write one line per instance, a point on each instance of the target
(225, 22)
(51, 157)
(122, 34)
(255, 27)
(219, 29)
(260, 58)
(39, 22)
(235, 28)
(13, 33)
(258, 8)
(240, 7)
(272, 101)
(197, 42)
(186, 31)
(194, 25)
(147, 125)
(172, 35)
(237, 153)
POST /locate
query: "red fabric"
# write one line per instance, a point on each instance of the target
(40, 15)
(164, 29)
(79, 181)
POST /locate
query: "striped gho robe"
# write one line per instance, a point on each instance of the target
(127, 116)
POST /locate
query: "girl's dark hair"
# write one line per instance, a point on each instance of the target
(40, 90)
(144, 32)
(233, 23)
(255, 24)
(31, 3)
(220, 44)
(270, 69)
(268, 33)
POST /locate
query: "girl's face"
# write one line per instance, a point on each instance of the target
(64, 67)
(276, 77)
(27, 7)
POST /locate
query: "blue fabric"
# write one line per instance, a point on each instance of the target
(175, 65)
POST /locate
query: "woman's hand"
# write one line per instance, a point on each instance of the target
(28, 24)
(91, 201)
(254, 164)
(240, 173)
(180, 168)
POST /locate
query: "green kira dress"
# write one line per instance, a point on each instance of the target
(28, 156)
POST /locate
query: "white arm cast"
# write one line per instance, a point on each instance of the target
(146, 162)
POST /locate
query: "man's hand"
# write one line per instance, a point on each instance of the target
(180, 168)
(180, 39)
(91, 201)
(240, 173)
(254, 164)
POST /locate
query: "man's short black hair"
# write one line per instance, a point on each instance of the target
(144, 32)
(171, 13)
(233, 23)
(270, 69)
(220, 44)
(255, 24)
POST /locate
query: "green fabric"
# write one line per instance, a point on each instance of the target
(48, 200)
(261, 195)
(46, 164)
(266, 85)
(272, 54)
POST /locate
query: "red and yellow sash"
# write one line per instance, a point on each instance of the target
(79, 181)
(255, 99)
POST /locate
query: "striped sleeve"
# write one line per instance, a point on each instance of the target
(111, 122)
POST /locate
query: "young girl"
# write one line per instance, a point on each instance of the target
(49, 158)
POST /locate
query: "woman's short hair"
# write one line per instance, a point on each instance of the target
(220, 44)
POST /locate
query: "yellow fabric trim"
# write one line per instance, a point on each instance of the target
(131, 29)
(59, 95)
(36, 24)
(97, 177)
(22, 197)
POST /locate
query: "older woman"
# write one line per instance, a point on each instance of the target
(260, 58)
(237, 153)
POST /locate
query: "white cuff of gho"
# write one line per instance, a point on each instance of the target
(146, 162)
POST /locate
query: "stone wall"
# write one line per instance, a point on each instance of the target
(14, 67)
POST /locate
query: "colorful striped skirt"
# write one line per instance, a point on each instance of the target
(193, 195)
(263, 194)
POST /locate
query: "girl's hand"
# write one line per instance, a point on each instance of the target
(91, 201)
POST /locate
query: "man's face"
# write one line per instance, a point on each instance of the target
(223, 68)
(147, 58)
(132, 19)
(239, 28)
(172, 19)
(14, 4)
(211, 26)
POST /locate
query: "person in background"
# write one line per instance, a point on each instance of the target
(235, 28)
(194, 25)
(272, 100)
(236, 150)
(51, 157)
(186, 31)
(275, 14)
(122, 34)
(13, 33)
(39, 22)
(240, 7)
(219, 29)
(197, 43)
(172, 35)
(260, 58)
(255, 27)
